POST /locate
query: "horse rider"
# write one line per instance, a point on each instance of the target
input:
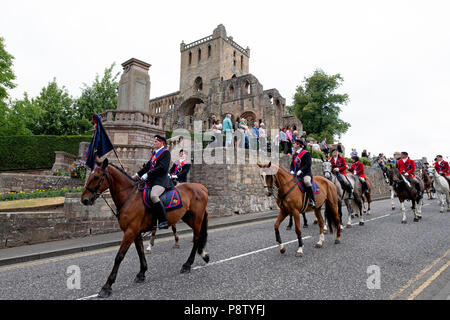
(339, 167)
(301, 167)
(406, 166)
(180, 168)
(155, 171)
(358, 169)
(442, 167)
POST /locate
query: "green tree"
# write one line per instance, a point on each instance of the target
(59, 117)
(28, 114)
(97, 98)
(6, 73)
(317, 105)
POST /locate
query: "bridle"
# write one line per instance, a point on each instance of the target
(97, 194)
(270, 188)
(94, 191)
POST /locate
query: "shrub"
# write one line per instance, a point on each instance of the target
(38, 193)
(36, 152)
(365, 161)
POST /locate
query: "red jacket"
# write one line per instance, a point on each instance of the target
(442, 168)
(409, 166)
(359, 168)
(340, 163)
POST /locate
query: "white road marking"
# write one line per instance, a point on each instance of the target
(246, 254)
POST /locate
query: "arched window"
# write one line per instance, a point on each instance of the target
(198, 84)
(242, 62)
(209, 50)
(190, 57)
(247, 87)
(277, 102)
(199, 55)
(271, 99)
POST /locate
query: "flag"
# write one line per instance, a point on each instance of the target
(100, 143)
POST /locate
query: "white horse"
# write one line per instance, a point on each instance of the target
(355, 204)
(442, 188)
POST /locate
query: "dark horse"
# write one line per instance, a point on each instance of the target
(290, 200)
(406, 190)
(134, 219)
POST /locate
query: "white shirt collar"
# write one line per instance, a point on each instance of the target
(439, 162)
(159, 149)
(404, 160)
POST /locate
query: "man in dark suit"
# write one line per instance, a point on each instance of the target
(180, 168)
(156, 172)
(301, 166)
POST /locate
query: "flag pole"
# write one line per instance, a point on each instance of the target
(118, 159)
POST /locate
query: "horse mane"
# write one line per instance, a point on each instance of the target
(123, 171)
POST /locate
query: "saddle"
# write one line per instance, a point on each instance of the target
(170, 199)
(302, 187)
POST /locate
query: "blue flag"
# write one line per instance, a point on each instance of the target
(100, 143)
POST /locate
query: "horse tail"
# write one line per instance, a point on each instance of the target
(331, 213)
(203, 233)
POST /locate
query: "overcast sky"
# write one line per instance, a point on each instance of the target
(394, 56)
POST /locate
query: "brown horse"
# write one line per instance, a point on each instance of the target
(428, 184)
(134, 218)
(290, 200)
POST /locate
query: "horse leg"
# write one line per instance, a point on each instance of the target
(289, 226)
(392, 198)
(320, 220)
(200, 233)
(350, 213)
(139, 244)
(419, 208)
(414, 209)
(403, 212)
(280, 218)
(298, 231)
(369, 200)
(151, 243)
(305, 222)
(177, 244)
(128, 238)
(359, 203)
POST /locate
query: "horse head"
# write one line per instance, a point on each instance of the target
(327, 169)
(97, 182)
(266, 173)
(431, 172)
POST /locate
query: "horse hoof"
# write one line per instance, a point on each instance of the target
(185, 269)
(315, 222)
(337, 241)
(404, 221)
(305, 226)
(299, 254)
(288, 228)
(349, 225)
(420, 217)
(369, 213)
(325, 231)
(206, 258)
(318, 245)
(361, 223)
(148, 251)
(416, 220)
(176, 246)
(352, 216)
(393, 208)
(139, 279)
(282, 250)
(105, 293)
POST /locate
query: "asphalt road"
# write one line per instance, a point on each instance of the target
(413, 261)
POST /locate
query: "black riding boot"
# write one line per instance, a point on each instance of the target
(365, 187)
(312, 200)
(350, 192)
(161, 214)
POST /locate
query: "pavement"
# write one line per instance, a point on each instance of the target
(70, 246)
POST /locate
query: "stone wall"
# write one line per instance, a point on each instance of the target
(12, 182)
(75, 221)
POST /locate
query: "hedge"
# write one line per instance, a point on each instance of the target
(36, 152)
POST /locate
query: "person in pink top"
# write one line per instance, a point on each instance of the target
(289, 140)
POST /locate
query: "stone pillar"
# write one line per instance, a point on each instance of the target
(134, 86)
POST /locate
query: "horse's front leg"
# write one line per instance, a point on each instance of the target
(128, 238)
(320, 220)
(177, 239)
(280, 218)
(359, 203)
(290, 224)
(403, 211)
(392, 197)
(414, 209)
(298, 231)
(419, 208)
(139, 244)
(151, 243)
(350, 213)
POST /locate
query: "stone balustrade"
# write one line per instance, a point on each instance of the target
(116, 117)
